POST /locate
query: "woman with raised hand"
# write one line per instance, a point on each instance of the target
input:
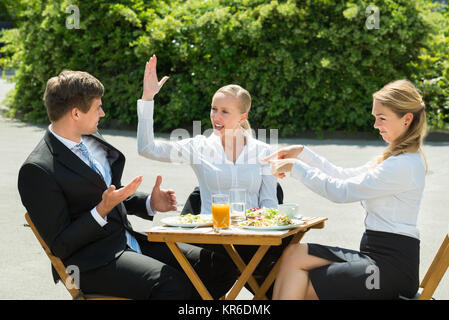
(228, 158)
(390, 189)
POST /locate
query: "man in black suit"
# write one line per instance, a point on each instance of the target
(70, 185)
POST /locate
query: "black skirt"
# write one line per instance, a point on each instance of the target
(386, 267)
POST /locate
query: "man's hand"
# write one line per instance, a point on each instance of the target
(151, 85)
(112, 197)
(162, 200)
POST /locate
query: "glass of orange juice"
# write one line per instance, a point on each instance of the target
(220, 212)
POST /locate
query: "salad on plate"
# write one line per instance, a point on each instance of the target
(268, 218)
(192, 218)
(189, 220)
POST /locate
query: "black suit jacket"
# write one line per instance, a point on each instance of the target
(58, 190)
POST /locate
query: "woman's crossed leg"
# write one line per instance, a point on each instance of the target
(292, 281)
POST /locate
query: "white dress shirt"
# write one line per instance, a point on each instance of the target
(390, 192)
(99, 153)
(215, 173)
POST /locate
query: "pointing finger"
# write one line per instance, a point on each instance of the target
(271, 156)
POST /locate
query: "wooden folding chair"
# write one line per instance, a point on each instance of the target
(434, 274)
(66, 279)
(436, 271)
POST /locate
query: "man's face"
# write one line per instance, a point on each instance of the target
(88, 122)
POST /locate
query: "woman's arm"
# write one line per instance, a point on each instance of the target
(392, 176)
(314, 160)
(147, 146)
(317, 161)
(178, 152)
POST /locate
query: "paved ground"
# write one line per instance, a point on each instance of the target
(25, 269)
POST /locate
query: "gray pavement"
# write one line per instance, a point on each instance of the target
(25, 269)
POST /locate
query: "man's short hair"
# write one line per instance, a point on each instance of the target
(71, 89)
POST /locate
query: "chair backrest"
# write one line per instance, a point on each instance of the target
(55, 261)
(436, 271)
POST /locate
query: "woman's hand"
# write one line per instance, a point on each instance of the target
(280, 167)
(285, 153)
(151, 85)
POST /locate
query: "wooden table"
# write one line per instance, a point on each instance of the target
(228, 240)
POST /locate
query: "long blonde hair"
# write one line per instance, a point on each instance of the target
(244, 99)
(402, 97)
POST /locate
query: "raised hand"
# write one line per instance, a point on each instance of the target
(162, 200)
(112, 197)
(151, 85)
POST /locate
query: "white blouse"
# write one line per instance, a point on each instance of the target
(390, 192)
(215, 173)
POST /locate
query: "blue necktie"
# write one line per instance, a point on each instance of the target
(92, 163)
(131, 241)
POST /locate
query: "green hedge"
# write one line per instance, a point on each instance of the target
(309, 65)
(431, 71)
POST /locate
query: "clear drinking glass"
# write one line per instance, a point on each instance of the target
(220, 212)
(238, 203)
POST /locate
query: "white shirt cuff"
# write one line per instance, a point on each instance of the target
(299, 170)
(306, 155)
(145, 109)
(101, 221)
(150, 211)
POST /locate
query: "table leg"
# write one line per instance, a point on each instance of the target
(247, 272)
(190, 272)
(260, 294)
(238, 261)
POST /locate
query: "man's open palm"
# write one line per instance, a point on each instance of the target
(112, 197)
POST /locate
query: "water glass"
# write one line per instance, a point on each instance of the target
(238, 203)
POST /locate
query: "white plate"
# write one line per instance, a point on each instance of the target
(174, 222)
(296, 223)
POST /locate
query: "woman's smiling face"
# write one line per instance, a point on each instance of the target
(390, 125)
(225, 114)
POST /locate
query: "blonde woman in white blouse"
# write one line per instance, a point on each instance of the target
(228, 158)
(390, 191)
